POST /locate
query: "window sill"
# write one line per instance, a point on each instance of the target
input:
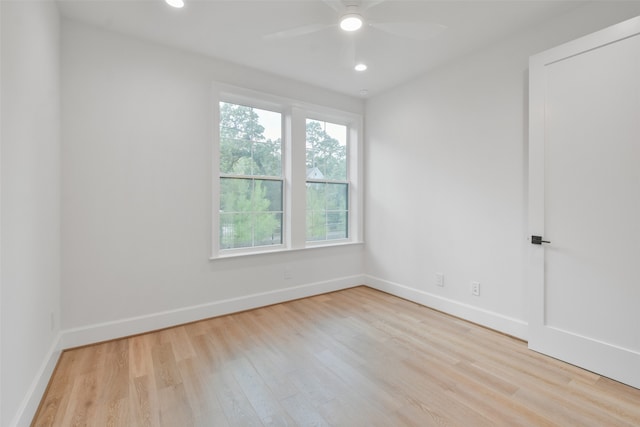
(282, 250)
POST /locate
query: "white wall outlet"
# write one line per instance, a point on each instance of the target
(52, 319)
(287, 272)
(475, 288)
(439, 279)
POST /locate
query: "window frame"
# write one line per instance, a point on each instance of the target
(262, 105)
(333, 120)
(294, 114)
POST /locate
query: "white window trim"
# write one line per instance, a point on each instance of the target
(294, 115)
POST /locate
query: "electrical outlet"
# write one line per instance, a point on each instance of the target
(287, 272)
(475, 288)
(52, 317)
(439, 279)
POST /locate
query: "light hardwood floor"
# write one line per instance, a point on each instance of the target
(357, 357)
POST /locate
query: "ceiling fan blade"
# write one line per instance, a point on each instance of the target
(413, 30)
(368, 4)
(296, 32)
(336, 5)
(349, 52)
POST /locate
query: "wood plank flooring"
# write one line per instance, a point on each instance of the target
(357, 357)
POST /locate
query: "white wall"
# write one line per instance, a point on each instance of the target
(30, 199)
(136, 182)
(446, 176)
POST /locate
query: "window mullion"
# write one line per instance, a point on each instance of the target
(297, 180)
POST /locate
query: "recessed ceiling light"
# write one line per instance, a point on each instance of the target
(360, 67)
(351, 22)
(175, 3)
(364, 92)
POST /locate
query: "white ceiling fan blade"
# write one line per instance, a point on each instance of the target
(368, 4)
(296, 32)
(336, 5)
(349, 52)
(412, 30)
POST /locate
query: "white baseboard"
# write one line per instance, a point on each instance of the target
(136, 325)
(490, 319)
(30, 403)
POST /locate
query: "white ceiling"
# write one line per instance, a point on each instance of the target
(234, 30)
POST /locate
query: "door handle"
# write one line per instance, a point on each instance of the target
(537, 240)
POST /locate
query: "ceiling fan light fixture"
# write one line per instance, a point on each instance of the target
(351, 22)
(175, 3)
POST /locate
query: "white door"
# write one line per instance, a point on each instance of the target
(584, 197)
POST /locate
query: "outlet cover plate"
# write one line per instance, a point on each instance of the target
(475, 288)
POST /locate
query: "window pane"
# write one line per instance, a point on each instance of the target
(268, 229)
(236, 195)
(316, 197)
(273, 193)
(337, 196)
(250, 212)
(316, 225)
(327, 211)
(326, 150)
(235, 156)
(250, 141)
(336, 225)
(267, 158)
(236, 231)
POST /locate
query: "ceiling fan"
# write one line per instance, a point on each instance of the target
(352, 17)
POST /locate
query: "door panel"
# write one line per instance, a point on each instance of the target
(585, 188)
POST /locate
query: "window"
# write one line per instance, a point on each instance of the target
(327, 185)
(250, 177)
(287, 175)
